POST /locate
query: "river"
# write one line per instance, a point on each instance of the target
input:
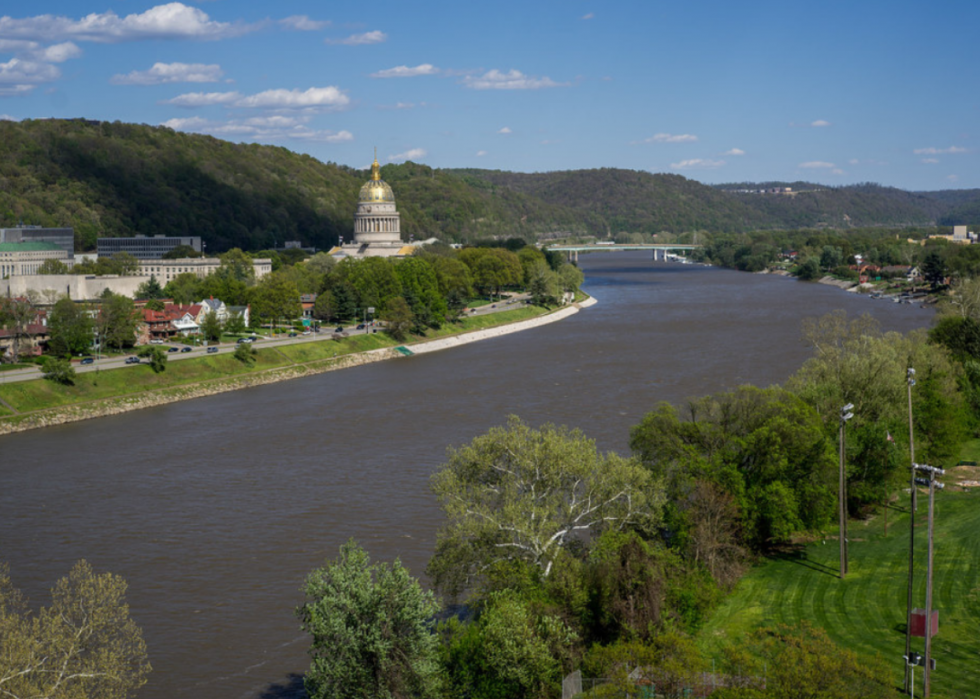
(215, 509)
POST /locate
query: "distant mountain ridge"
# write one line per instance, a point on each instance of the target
(115, 179)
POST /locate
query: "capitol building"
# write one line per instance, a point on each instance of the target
(377, 226)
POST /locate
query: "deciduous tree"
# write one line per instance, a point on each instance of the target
(371, 629)
(523, 493)
(84, 645)
(69, 327)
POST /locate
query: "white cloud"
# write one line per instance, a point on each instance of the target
(853, 161)
(315, 97)
(15, 90)
(411, 154)
(930, 160)
(506, 130)
(512, 80)
(734, 151)
(7, 117)
(480, 153)
(837, 171)
(189, 124)
(375, 37)
(952, 178)
(203, 99)
(27, 73)
(815, 164)
(162, 73)
(303, 23)
(588, 16)
(260, 129)
(406, 72)
(697, 164)
(33, 51)
(170, 21)
(939, 151)
(669, 138)
(819, 123)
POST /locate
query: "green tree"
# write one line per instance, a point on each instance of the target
(157, 357)
(118, 321)
(245, 353)
(84, 645)
(934, 269)
(323, 306)
(275, 298)
(180, 252)
(211, 327)
(398, 318)
(52, 266)
(59, 370)
(517, 493)
(150, 289)
(69, 327)
(123, 264)
(808, 270)
(155, 305)
(235, 325)
(16, 315)
(371, 629)
(185, 288)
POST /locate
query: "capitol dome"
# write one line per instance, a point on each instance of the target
(376, 189)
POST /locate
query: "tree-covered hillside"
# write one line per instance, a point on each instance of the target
(114, 179)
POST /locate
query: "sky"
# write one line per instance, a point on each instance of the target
(833, 92)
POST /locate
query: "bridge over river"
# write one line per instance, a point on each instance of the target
(660, 250)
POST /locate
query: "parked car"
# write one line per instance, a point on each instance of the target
(360, 326)
(156, 342)
(339, 330)
(212, 350)
(186, 349)
(293, 334)
(87, 360)
(307, 332)
(244, 340)
(132, 360)
(173, 349)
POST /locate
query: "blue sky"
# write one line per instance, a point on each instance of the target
(718, 91)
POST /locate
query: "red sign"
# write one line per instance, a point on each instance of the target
(919, 622)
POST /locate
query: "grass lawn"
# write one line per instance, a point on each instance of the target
(971, 452)
(866, 612)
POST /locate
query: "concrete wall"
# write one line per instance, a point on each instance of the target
(78, 287)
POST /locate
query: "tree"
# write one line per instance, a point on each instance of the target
(808, 270)
(934, 269)
(235, 325)
(323, 306)
(150, 289)
(155, 305)
(211, 327)
(118, 321)
(275, 298)
(69, 327)
(157, 357)
(16, 314)
(185, 288)
(517, 493)
(179, 252)
(245, 353)
(59, 370)
(84, 645)
(123, 264)
(371, 628)
(52, 266)
(398, 318)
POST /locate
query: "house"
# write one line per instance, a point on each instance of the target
(307, 301)
(244, 311)
(173, 319)
(216, 306)
(30, 342)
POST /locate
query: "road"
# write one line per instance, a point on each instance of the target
(34, 372)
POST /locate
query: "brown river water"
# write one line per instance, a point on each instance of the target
(214, 510)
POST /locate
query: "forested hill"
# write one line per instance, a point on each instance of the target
(114, 179)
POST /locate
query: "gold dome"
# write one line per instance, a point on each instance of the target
(376, 189)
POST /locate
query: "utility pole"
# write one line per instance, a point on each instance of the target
(845, 415)
(908, 609)
(931, 482)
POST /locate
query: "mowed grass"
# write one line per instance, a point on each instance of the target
(866, 611)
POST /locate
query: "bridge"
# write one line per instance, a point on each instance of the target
(659, 249)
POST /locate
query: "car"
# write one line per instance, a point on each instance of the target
(307, 332)
(186, 349)
(293, 334)
(173, 349)
(244, 340)
(339, 330)
(132, 360)
(87, 360)
(156, 342)
(361, 326)
(212, 350)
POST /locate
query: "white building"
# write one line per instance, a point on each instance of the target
(22, 259)
(166, 270)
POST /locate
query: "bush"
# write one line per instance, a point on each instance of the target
(245, 353)
(60, 371)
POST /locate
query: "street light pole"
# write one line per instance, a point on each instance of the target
(845, 415)
(910, 379)
(931, 482)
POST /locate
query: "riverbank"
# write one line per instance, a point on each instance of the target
(275, 364)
